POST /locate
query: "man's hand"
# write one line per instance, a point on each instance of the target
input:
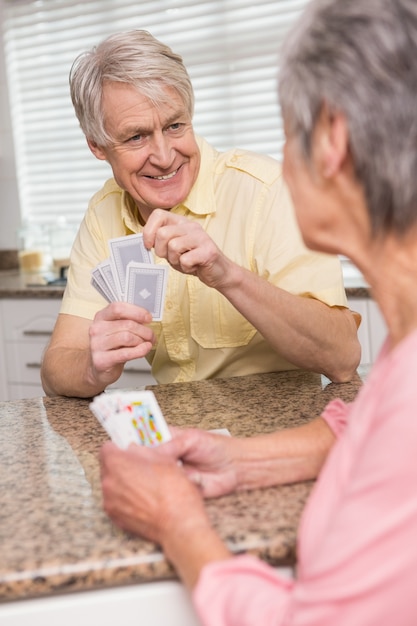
(186, 247)
(84, 357)
(118, 334)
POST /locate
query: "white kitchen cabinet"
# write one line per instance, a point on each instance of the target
(372, 331)
(26, 325)
(137, 373)
(152, 604)
(377, 329)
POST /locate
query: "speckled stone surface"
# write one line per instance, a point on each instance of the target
(358, 292)
(13, 284)
(54, 536)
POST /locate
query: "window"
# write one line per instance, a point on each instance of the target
(230, 48)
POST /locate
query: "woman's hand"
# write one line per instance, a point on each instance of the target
(206, 459)
(148, 493)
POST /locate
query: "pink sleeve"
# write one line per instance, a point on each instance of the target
(357, 540)
(336, 414)
(242, 590)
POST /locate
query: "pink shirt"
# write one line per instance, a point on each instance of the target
(357, 544)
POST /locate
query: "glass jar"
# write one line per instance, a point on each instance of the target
(33, 249)
(62, 235)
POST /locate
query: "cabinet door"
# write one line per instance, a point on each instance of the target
(24, 361)
(372, 331)
(16, 391)
(377, 329)
(27, 325)
(136, 374)
(360, 305)
(29, 319)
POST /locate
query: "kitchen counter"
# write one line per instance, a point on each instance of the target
(13, 284)
(54, 536)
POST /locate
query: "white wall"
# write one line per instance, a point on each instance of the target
(9, 199)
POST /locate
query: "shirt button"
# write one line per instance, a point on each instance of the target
(168, 304)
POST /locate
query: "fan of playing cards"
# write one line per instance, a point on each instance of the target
(131, 417)
(130, 275)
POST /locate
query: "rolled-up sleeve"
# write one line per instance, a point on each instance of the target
(336, 414)
(242, 590)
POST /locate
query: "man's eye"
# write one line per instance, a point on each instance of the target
(176, 126)
(136, 138)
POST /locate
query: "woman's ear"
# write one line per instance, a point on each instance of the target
(331, 142)
(98, 152)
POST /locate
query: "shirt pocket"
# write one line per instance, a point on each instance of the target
(214, 321)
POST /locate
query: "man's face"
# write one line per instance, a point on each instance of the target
(153, 154)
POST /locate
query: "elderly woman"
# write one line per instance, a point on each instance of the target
(348, 92)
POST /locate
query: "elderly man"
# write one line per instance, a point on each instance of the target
(244, 294)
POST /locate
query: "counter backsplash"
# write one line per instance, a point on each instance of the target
(9, 260)
(355, 285)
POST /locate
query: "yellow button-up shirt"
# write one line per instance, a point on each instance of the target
(241, 201)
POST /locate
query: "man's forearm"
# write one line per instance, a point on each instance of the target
(67, 372)
(306, 332)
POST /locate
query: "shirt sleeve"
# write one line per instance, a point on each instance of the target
(101, 222)
(281, 256)
(80, 298)
(336, 414)
(242, 590)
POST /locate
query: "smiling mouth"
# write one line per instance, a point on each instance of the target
(166, 177)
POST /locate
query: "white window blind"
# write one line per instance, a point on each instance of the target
(230, 48)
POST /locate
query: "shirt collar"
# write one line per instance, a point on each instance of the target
(200, 200)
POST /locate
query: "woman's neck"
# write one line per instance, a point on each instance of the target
(390, 269)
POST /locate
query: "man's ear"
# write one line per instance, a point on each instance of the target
(331, 142)
(96, 150)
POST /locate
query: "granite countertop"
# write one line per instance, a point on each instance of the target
(54, 536)
(13, 284)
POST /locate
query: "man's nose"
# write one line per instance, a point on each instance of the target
(161, 151)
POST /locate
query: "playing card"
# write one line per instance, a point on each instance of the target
(105, 269)
(123, 250)
(221, 431)
(146, 287)
(99, 283)
(131, 417)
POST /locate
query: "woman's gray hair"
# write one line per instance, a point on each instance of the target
(133, 57)
(359, 57)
